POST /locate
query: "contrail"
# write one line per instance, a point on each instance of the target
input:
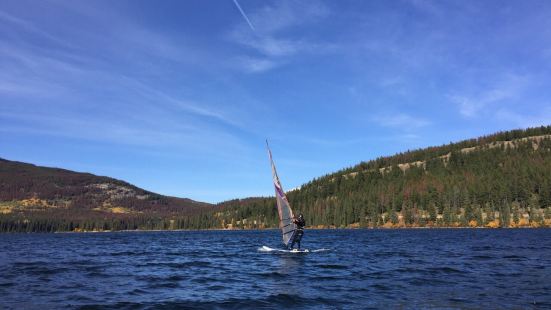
(244, 15)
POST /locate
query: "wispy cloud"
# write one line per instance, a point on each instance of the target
(38, 75)
(336, 143)
(145, 133)
(271, 19)
(470, 106)
(255, 64)
(270, 38)
(319, 76)
(67, 92)
(162, 98)
(508, 87)
(318, 141)
(30, 27)
(400, 120)
(542, 117)
(391, 82)
(270, 46)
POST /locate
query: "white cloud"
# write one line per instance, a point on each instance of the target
(274, 47)
(256, 65)
(509, 87)
(148, 133)
(286, 14)
(391, 81)
(41, 73)
(69, 93)
(270, 39)
(467, 106)
(30, 27)
(524, 120)
(401, 120)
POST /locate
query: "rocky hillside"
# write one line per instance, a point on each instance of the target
(33, 193)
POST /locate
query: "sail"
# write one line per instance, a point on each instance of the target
(284, 210)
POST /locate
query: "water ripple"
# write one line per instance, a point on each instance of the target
(445, 268)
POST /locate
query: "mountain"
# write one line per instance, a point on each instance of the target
(34, 198)
(499, 180)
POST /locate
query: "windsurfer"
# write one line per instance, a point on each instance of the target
(297, 235)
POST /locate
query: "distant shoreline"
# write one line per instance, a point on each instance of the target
(267, 229)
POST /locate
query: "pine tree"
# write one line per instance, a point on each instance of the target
(505, 214)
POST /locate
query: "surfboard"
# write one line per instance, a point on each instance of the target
(299, 251)
(268, 249)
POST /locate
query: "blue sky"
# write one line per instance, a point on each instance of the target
(177, 97)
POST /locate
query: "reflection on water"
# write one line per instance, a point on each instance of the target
(290, 265)
(291, 261)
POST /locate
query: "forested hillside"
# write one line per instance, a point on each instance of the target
(501, 180)
(34, 198)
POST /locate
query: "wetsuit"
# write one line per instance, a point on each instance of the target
(297, 235)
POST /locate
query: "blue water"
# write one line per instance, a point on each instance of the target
(418, 268)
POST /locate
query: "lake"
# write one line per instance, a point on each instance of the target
(348, 269)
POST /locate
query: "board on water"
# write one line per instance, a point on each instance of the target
(299, 251)
(269, 249)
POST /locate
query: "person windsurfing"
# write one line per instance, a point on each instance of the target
(292, 228)
(297, 235)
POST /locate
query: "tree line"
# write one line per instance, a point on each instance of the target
(500, 180)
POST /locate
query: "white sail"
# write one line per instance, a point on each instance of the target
(284, 210)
